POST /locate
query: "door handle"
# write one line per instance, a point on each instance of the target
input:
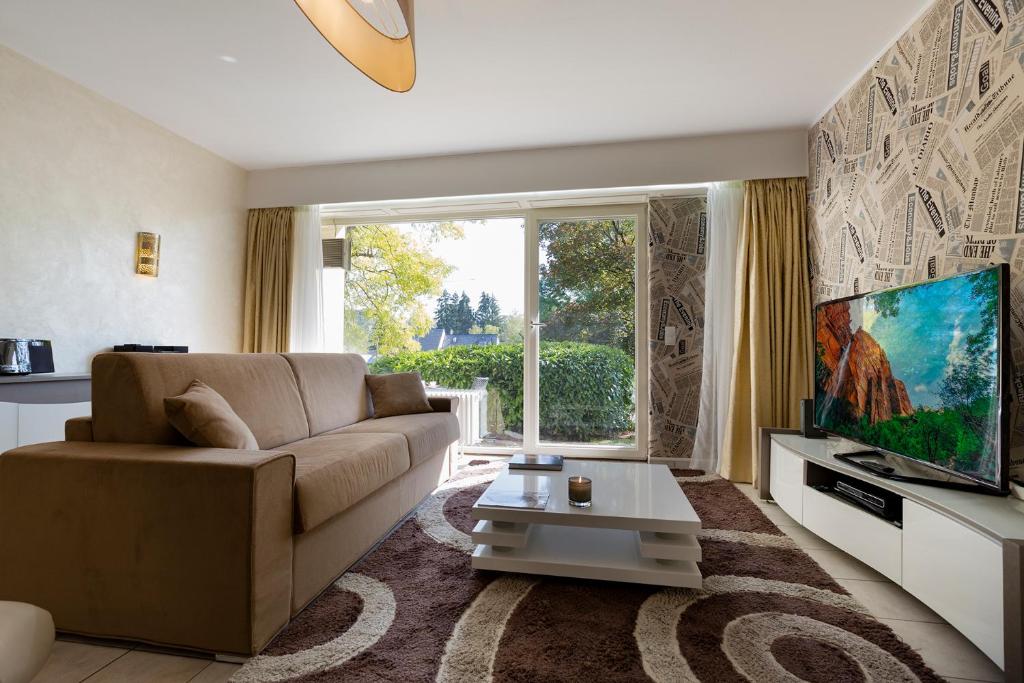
(533, 324)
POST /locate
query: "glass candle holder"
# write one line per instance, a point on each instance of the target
(579, 492)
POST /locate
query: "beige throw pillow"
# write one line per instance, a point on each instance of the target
(205, 418)
(399, 394)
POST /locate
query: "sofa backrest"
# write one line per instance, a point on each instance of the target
(333, 389)
(128, 392)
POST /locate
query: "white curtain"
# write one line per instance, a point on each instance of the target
(725, 208)
(307, 304)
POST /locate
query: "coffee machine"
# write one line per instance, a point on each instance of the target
(25, 356)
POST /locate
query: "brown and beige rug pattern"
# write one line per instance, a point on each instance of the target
(414, 610)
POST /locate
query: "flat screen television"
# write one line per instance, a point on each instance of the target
(920, 371)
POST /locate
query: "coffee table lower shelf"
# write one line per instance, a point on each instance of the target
(584, 553)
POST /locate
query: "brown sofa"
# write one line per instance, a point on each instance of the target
(127, 531)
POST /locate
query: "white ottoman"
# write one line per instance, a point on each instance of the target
(26, 637)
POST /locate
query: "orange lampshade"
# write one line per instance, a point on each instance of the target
(376, 36)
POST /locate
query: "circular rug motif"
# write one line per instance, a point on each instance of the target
(414, 610)
(373, 620)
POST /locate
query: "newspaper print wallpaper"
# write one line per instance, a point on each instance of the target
(678, 235)
(916, 172)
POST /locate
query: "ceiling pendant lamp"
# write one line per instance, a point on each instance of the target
(375, 36)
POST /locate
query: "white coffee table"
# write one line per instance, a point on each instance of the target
(640, 528)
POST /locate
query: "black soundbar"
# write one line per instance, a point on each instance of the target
(877, 501)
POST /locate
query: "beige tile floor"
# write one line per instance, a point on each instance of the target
(74, 661)
(942, 647)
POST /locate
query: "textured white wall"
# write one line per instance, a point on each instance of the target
(79, 176)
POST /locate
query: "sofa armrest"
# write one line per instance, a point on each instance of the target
(444, 404)
(78, 429)
(181, 546)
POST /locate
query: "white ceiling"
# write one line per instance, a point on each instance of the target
(493, 74)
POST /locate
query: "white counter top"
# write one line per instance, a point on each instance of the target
(1000, 518)
(44, 377)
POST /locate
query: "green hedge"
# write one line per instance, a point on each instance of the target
(586, 390)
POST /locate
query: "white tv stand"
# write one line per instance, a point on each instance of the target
(959, 553)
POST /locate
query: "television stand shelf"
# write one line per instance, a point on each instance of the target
(978, 540)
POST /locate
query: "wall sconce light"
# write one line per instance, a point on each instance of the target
(147, 253)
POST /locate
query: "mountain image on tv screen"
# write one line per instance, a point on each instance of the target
(915, 371)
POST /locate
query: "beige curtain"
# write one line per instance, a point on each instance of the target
(773, 332)
(268, 275)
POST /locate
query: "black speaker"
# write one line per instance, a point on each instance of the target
(807, 427)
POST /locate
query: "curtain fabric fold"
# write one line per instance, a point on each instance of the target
(774, 328)
(725, 208)
(306, 329)
(268, 273)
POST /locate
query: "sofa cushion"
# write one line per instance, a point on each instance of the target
(333, 388)
(335, 471)
(400, 393)
(427, 433)
(128, 392)
(205, 418)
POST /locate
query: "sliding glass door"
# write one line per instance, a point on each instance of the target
(534, 322)
(443, 298)
(584, 394)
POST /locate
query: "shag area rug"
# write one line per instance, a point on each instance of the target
(414, 610)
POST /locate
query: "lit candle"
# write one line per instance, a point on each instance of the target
(579, 492)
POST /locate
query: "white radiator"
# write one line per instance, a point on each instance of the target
(472, 412)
